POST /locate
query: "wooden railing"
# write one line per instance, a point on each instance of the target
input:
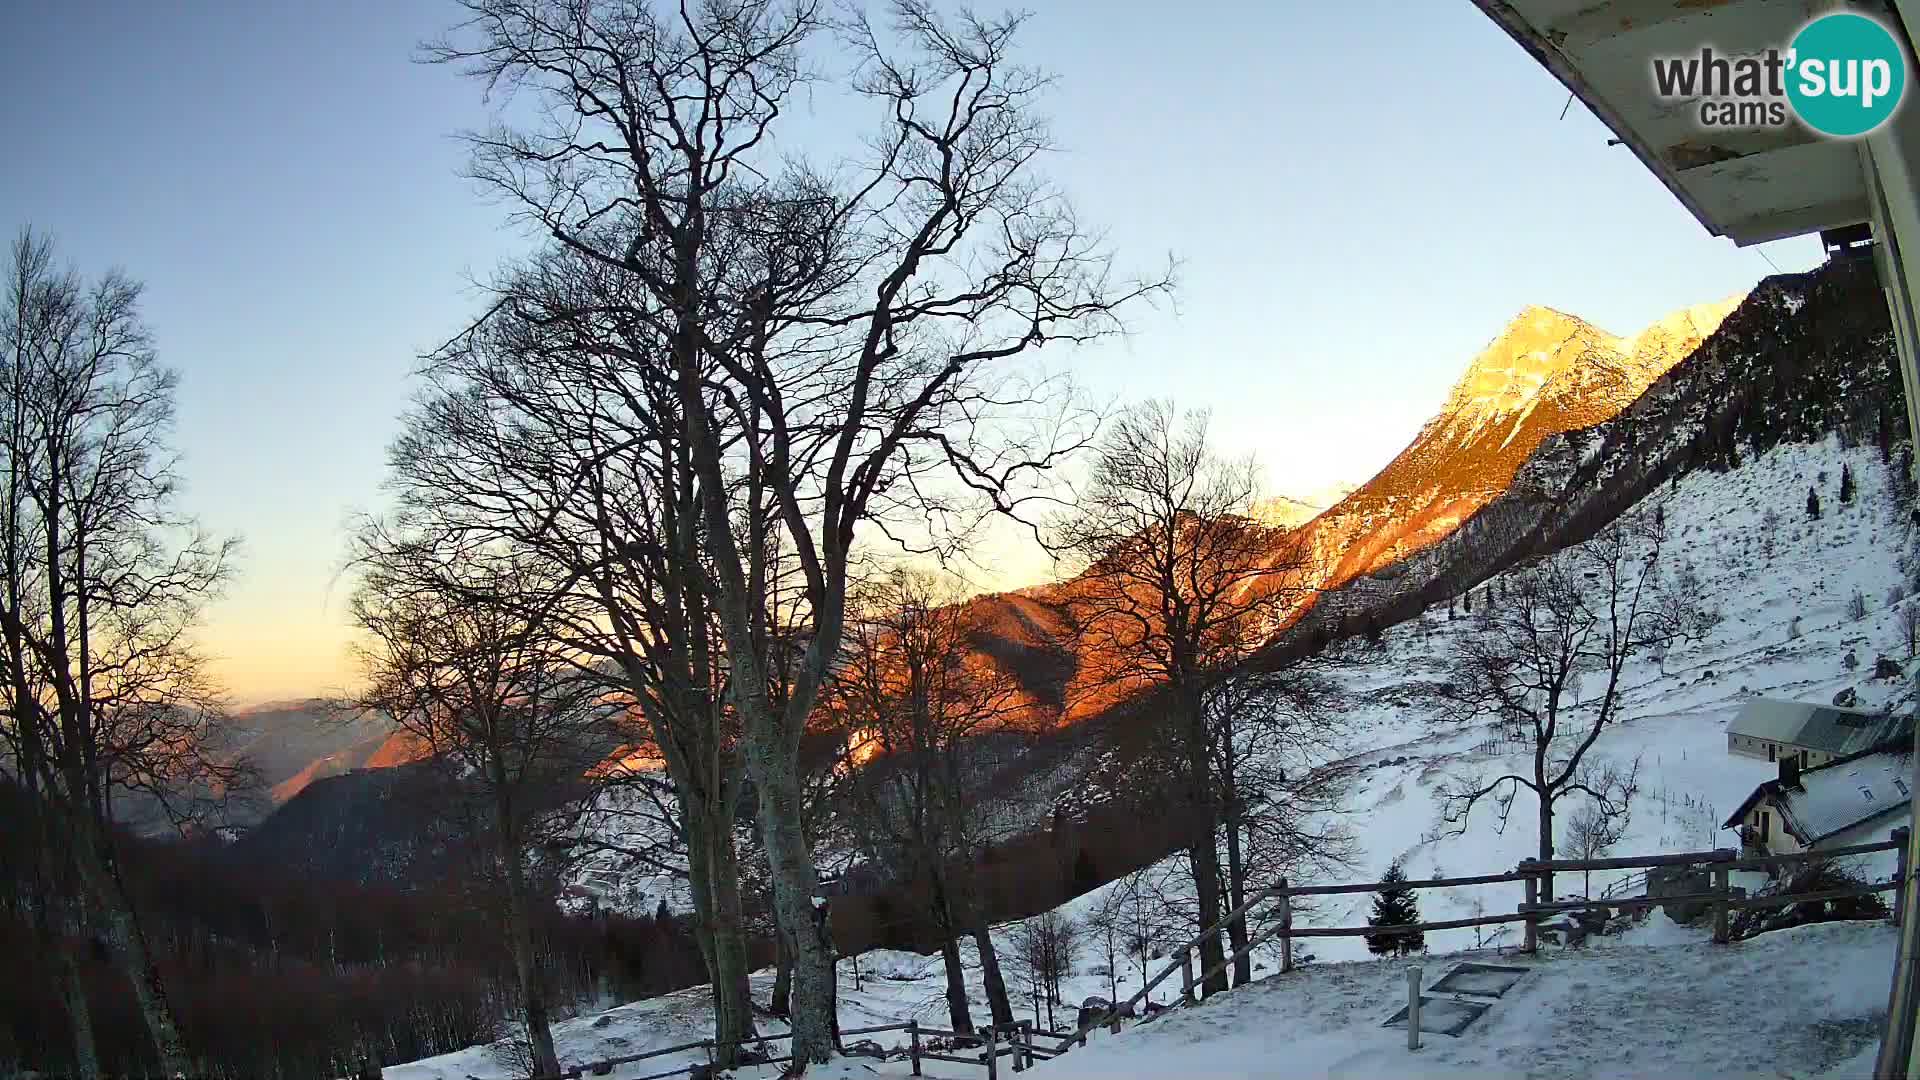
(1017, 1041)
(1531, 912)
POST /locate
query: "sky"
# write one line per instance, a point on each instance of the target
(1359, 196)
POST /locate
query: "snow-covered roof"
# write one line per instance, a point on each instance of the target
(1836, 796)
(1827, 728)
(1844, 794)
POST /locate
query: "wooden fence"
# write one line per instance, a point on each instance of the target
(1532, 912)
(1017, 1041)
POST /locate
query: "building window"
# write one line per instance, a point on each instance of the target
(1773, 752)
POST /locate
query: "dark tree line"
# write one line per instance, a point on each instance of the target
(276, 975)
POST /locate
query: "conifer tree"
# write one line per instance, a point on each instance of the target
(1813, 505)
(1846, 484)
(1395, 907)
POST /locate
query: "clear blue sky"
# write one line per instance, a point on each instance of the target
(1361, 194)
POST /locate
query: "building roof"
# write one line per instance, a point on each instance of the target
(1829, 798)
(1829, 729)
(1752, 185)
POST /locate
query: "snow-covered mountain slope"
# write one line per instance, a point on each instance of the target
(1293, 511)
(1768, 567)
(1783, 585)
(1545, 374)
(1804, 356)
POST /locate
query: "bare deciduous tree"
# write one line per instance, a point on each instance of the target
(1593, 830)
(105, 579)
(1179, 584)
(1047, 946)
(462, 655)
(918, 702)
(835, 341)
(1276, 744)
(1570, 618)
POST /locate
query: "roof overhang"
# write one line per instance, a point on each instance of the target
(1749, 185)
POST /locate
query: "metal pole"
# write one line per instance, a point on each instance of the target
(1532, 940)
(1286, 928)
(1186, 975)
(1901, 836)
(1721, 887)
(1413, 1007)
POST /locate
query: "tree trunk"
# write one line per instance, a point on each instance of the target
(1206, 885)
(102, 881)
(1203, 851)
(1546, 846)
(782, 976)
(713, 869)
(957, 1010)
(55, 884)
(790, 863)
(1236, 896)
(999, 1004)
(73, 994)
(732, 991)
(533, 996)
(944, 914)
(969, 915)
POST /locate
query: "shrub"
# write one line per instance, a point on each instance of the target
(1810, 877)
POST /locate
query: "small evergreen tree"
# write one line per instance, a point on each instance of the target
(1846, 483)
(1395, 907)
(1467, 601)
(1813, 505)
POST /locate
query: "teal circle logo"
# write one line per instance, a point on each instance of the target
(1846, 74)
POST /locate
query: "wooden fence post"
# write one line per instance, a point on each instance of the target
(993, 1053)
(913, 1042)
(1286, 928)
(1186, 975)
(1900, 836)
(1531, 924)
(1026, 1039)
(1721, 934)
(1413, 1006)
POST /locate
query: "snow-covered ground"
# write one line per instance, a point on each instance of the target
(1793, 1003)
(1656, 1001)
(1801, 1002)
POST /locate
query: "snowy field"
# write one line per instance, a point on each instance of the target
(1656, 1001)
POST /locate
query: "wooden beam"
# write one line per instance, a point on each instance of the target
(1428, 883)
(1620, 18)
(1634, 862)
(1761, 228)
